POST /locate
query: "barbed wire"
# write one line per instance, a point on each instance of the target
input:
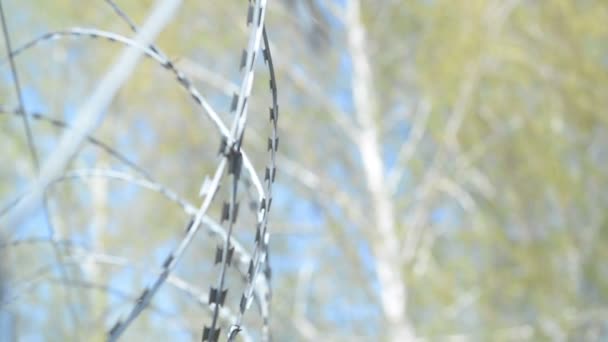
(36, 115)
(233, 159)
(232, 153)
(182, 79)
(82, 253)
(262, 237)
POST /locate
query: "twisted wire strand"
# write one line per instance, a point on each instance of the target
(232, 153)
(214, 228)
(257, 288)
(185, 287)
(182, 79)
(171, 261)
(92, 111)
(146, 181)
(132, 25)
(241, 255)
(90, 138)
(262, 237)
(184, 82)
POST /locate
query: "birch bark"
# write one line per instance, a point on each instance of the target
(389, 268)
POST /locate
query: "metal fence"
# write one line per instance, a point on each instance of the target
(234, 169)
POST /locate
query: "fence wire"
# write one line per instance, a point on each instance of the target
(251, 263)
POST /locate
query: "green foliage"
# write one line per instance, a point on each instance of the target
(515, 249)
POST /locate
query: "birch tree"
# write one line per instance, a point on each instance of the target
(440, 169)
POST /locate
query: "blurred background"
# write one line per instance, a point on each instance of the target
(441, 175)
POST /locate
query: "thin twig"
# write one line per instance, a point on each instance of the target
(35, 160)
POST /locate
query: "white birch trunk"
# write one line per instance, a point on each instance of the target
(389, 268)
